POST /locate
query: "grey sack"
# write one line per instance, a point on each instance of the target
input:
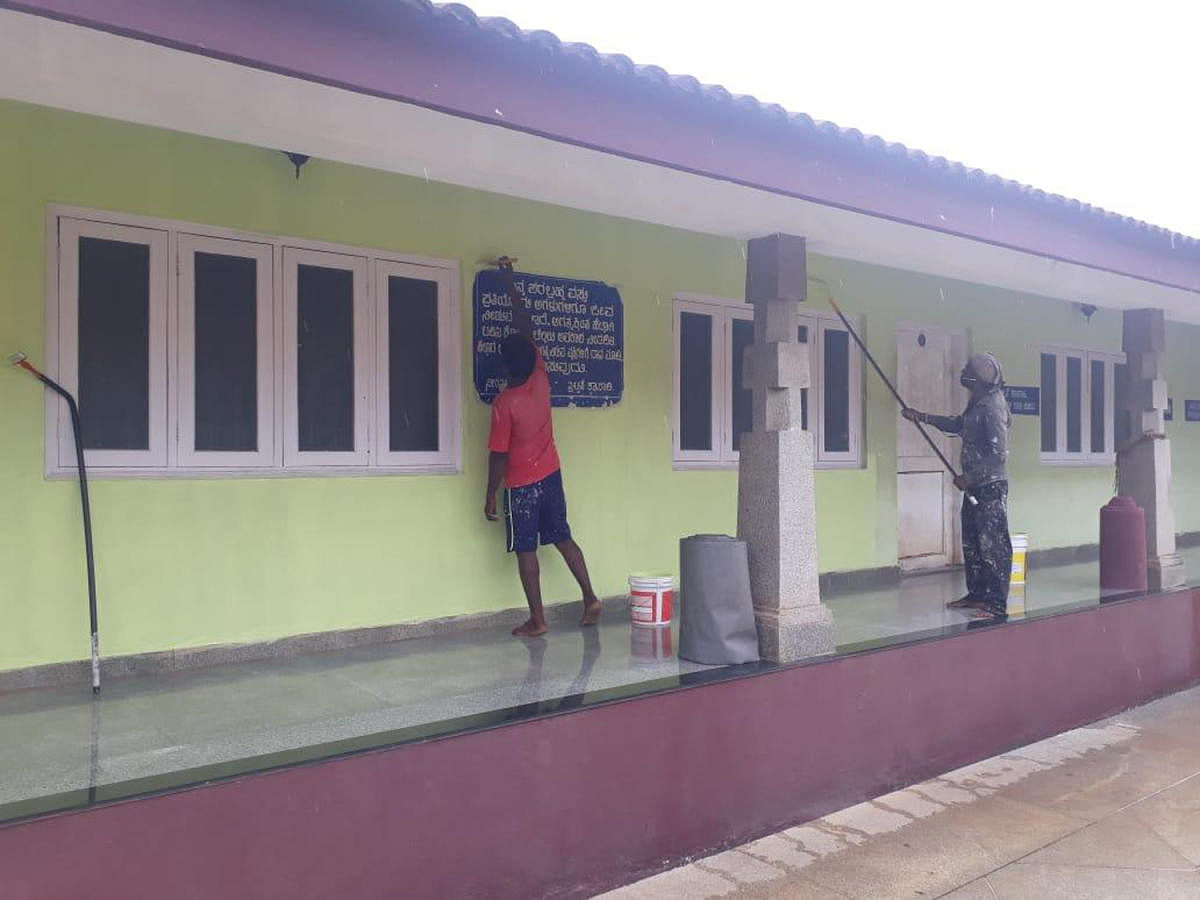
(716, 622)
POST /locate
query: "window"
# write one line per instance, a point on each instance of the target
(197, 350)
(112, 342)
(326, 342)
(1081, 391)
(413, 339)
(712, 409)
(226, 350)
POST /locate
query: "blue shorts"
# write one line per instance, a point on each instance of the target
(536, 511)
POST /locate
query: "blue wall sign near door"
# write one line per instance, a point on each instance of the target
(1023, 401)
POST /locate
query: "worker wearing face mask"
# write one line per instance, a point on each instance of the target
(983, 427)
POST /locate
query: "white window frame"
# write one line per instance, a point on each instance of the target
(263, 256)
(64, 340)
(715, 457)
(169, 328)
(1085, 456)
(447, 329)
(722, 456)
(834, 459)
(364, 360)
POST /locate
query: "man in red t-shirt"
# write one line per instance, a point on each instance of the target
(523, 456)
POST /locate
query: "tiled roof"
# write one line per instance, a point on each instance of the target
(685, 86)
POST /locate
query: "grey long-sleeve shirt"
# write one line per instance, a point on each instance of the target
(983, 427)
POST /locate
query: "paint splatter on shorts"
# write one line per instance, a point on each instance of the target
(536, 511)
(987, 548)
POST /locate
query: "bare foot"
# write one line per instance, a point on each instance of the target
(591, 612)
(530, 629)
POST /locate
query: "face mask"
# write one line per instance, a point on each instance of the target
(966, 380)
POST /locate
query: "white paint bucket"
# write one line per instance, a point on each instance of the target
(1020, 548)
(650, 598)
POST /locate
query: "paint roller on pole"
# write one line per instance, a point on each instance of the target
(19, 360)
(895, 393)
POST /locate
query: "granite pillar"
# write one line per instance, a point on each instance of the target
(776, 504)
(1144, 462)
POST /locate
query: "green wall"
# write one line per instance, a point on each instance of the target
(192, 562)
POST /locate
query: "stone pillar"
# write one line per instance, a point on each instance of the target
(776, 506)
(1144, 466)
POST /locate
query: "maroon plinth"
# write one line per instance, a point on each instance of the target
(1123, 546)
(571, 804)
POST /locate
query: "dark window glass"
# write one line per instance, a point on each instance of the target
(226, 328)
(743, 337)
(412, 364)
(1074, 404)
(695, 381)
(802, 336)
(1049, 403)
(1121, 424)
(325, 358)
(1098, 407)
(114, 344)
(836, 407)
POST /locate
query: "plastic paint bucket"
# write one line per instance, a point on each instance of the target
(650, 599)
(1020, 547)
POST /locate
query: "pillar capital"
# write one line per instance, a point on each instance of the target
(776, 269)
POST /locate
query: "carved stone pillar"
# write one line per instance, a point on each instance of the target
(776, 503)
(1144, 466)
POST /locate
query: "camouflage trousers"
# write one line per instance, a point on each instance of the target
(987, 548)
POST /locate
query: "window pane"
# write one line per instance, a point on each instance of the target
(802, 336)
(743, 337)
(412, 364)
(226, 328)
(1049, 403)
(1120, 403)
(1098, 406)
(836, 396)
(695, 381)
(114, 344)
(1074, 404)
(325, 358)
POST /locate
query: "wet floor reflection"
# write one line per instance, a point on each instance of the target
(534, 682)
(649, 645)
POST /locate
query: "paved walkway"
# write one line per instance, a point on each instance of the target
(1111, 810)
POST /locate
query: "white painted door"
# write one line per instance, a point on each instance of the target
(928, 361)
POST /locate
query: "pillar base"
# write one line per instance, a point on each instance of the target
(1166, 572)
(793, 634)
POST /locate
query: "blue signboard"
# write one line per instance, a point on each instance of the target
(1191, 410)
(1023, 401)
(578, 325)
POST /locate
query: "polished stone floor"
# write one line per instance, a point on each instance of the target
(56, 740)
(1107, 811)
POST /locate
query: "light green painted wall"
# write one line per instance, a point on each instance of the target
(192, 562)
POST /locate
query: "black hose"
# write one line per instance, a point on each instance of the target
(87, 523)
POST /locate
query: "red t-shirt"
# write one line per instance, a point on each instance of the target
(522, 428)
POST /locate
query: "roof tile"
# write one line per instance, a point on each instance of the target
(720, 96)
